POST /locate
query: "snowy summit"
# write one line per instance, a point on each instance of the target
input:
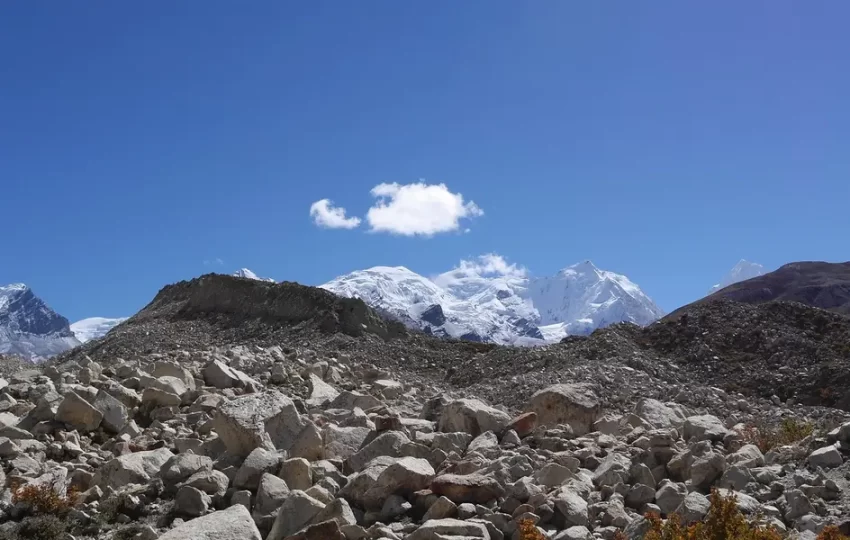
(742, 271)
(489, 300)
(29, 328)
(245, 273)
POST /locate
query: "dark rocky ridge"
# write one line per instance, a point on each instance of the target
(818, 284)
(781, 348)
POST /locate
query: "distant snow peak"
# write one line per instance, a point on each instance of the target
(742, 271)
(246, 273)
(488, 299)
(29, 328)
(94, 327)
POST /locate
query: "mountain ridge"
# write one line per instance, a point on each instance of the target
(504, 305)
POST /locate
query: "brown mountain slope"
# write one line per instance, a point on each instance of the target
(817, 284)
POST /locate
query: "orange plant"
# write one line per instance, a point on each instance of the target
(529, 531)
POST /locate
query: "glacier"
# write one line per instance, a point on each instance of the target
(501, 303)
(94, 327)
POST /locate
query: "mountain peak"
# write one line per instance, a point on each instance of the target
(248, 274)
(742, 271)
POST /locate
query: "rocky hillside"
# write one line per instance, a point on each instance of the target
(818, 284)
(235, 408)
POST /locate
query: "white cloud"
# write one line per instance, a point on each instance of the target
(418, 209)
(491, 263)
(325, 215)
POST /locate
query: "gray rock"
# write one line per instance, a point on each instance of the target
(440, 529)
(308, 444)
(78, 413)
(467, 488)
(403, 477)
(669, 496)
(257, 463)
(748, 456)
(639, 495)
(135, 468)
(576, 405)
(576, 532)
(484, 442)
(297, 511)
(191, 501)
(213, 483)
(471, 416)
(115, 414)
(707, 468)
(388, 444)
(661, 415)
(442, 508)
(798, 505)
(271, 493)
(553, 474)
(337, 510)
(342, 442)
(297, 474)
(694, 507)
(827, 457)
(704, 428)
(267, 420)
(235, 522)
(613, 470)
(320, 391)
(572, 506)
(181, 467)
(156, 397)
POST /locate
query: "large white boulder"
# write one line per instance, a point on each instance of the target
(576, 405)
(234, 522)
(266, 420)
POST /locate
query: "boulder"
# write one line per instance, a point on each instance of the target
(748, 456)
(827, 457)
(271, 493)
(296, 473)
(670, 495)
(694, 507)
(388, 443)
(572, 506)
(297, 511)
(661, 415)
(320, 391)
(467, 488)
(439, 529)
(234, 522)
(403, 477)
(342, 442)
(576, 405)
(191, 501)
(78, 413)
(471, 416)
(523, 424)
(257, 463)
(308, 444)
(115, 414)
(156, 397)
(181, 467)
(267, 420)
(704, 428)
(134, 468)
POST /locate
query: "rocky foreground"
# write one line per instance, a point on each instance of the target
(271, 443)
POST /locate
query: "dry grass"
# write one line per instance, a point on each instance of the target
(43, 499)
(789, 431)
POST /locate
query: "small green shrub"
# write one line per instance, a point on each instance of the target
(43, 527)
(789, 431)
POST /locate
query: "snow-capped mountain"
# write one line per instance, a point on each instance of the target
(245, 273)
(500, 303)
(94, 327)
(29, 328)
(742, 271)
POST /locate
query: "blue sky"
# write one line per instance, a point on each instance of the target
(663, 140)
